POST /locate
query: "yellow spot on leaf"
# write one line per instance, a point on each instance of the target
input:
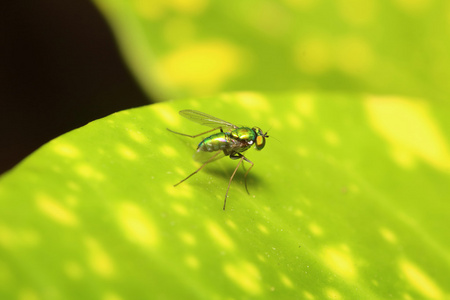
(231, 224)
(111, 296)
(403, 158)
(99, 260)
(308, 295)
(298, 213)
(245, 275)
(419, 280)
(305, 105)
(126, 152)
(302, 151)
(167, 114)
(261, 258)
(294, 121)
(55, 210)
(7, 237)
(137, 136)
(89, 172)
(183, 190)
(188, 238)
(28, 294)
(192, 261)
(67, 150)
(136, 225)
(407, 296)
(409, 128)
(315, 229)
(180, 209)
(262, 228)
(353, 188)
(340, 262)
(333, 294)
(168, 151)
(286, 281)
(219, 235)
(331, 137)
(204, 67)
(388, 235)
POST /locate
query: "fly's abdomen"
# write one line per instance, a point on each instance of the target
(215, 142)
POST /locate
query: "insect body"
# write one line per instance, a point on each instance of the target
(231, 141)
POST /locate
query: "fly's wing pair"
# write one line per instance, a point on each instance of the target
(206, 120)
(210, 121)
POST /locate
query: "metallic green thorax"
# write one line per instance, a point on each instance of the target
(234, 141)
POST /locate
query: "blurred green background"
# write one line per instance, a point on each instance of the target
(184, 48)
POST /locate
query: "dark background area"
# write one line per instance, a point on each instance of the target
(59, 69)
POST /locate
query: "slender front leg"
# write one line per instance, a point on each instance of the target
(231, 179)
(196, 171)
(246, 173)
(194, 136)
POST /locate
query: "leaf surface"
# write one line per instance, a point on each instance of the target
(347, 200)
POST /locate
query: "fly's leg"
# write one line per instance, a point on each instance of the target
(241, 158)
(194, 136)
(243, 167)
(196, 171)
(246, 173)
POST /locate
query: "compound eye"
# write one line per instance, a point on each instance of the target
(258, 131)
(260, 142)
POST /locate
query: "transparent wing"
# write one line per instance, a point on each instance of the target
(205, 119)
(202, 156)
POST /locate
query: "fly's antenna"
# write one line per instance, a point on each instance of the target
(267, 132)
(267, 135)
(272, 137)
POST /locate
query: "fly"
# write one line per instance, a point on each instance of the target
(230, 141)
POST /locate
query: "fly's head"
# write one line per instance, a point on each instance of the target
(260, 141)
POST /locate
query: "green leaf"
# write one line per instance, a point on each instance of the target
(348, 200)
(198, 47)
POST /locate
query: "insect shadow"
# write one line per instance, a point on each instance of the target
(224, 172)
